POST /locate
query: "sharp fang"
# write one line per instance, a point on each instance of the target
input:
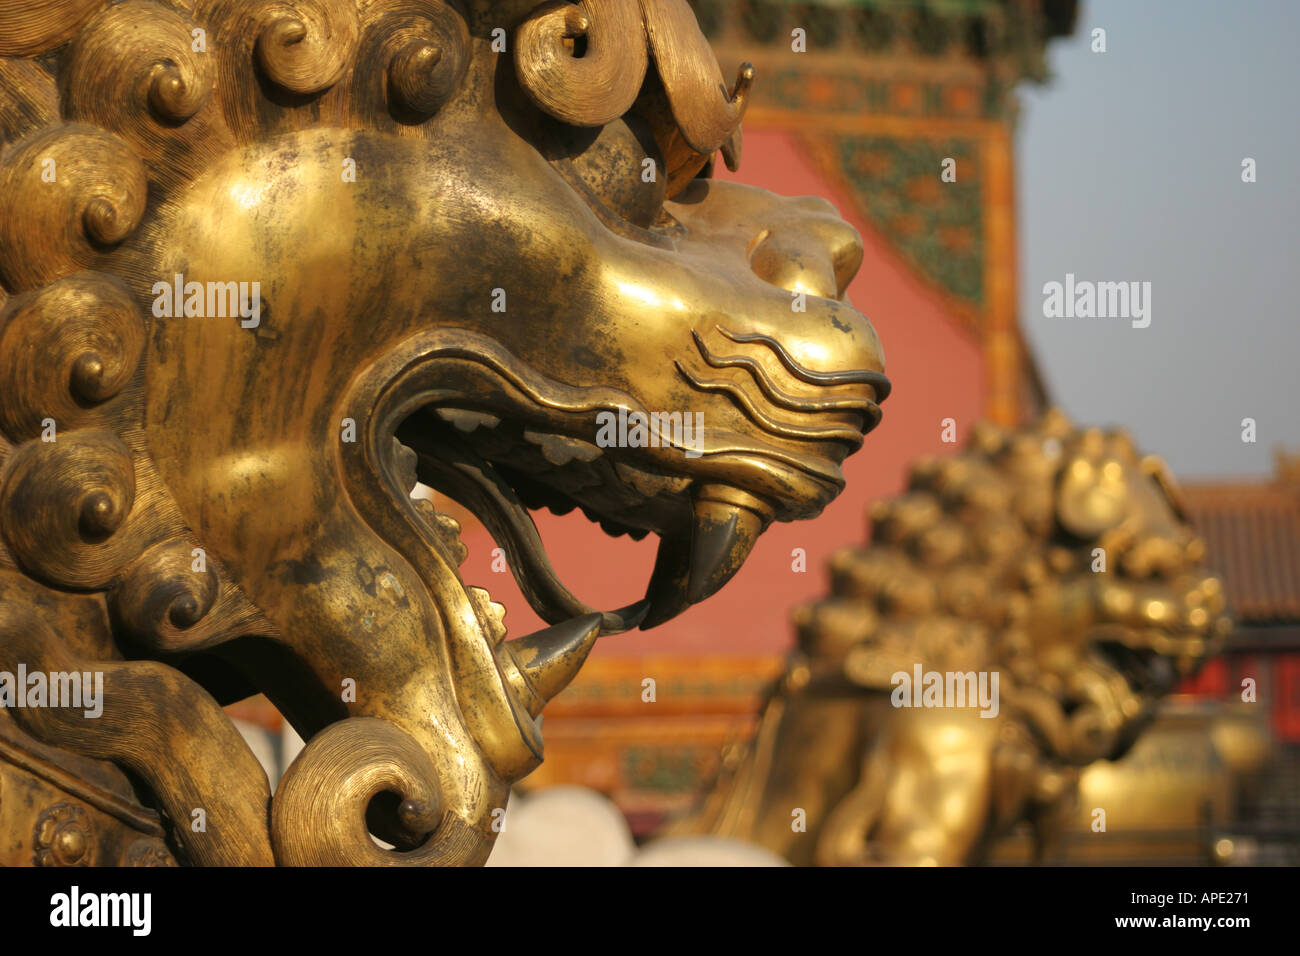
(559, 450)
(550, 658)
(722, 539)
(467, 421)
(725, 525)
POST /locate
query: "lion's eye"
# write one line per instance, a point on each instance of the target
(624, 168)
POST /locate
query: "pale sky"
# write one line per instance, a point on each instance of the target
(1130, 170)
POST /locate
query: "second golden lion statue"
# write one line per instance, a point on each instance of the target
(1020, 611)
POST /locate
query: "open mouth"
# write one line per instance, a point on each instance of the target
(459, 412)
(500, 438)
(504, 471)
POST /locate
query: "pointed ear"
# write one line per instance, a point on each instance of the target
(705, 112)
(1154, 466)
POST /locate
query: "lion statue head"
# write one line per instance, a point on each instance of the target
(265, 265)
(1042, 552)
(1051, 573)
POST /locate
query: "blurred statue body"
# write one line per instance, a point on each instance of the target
(265, 265)
(1050, 569)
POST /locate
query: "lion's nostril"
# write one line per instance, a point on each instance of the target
(796, 266)
(820, 255)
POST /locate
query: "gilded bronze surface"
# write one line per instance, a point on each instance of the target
(1054, 557)
(266, 264)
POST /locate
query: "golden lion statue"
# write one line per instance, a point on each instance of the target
(264, 264)
(1021, 609)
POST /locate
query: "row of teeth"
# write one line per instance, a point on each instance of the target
(491, 613)
(584, 463)
(444, 526)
